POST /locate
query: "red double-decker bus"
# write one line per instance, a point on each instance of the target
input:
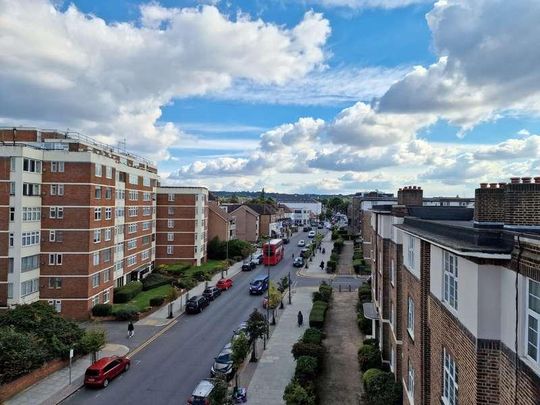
(273, 252)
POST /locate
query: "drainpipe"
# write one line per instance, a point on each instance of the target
(516, 324)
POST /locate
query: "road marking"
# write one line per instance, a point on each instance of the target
(161, 332)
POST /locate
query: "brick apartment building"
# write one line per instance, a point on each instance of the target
(456, 294)
(182, 225)
(220, 223)
(77, 218)
(247, 222)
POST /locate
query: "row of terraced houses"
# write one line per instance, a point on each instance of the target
(456, 293)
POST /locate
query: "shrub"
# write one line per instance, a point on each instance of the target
(186, 283)
(331, 265)
(371, 341)
(127, 292)
(300, 349)
(368, 375)
(156, 301)
(295, 394)
(338, 244)
(312, 335)
(364, 324)
(316, 296)
(325, 291)
(382, 389)
(201, 275)
(306, 368)
(126, 314)
(334, 257)
(155, 280)
(172, 295)
(364, 293)
(102, 310)
(92, 342)
(369, 356)
(317, 314)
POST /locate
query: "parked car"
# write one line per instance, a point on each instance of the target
(223, 364)
(298, 261)
(248, 266)
(259, 258)
(306, 228)
(100, 373)
(202, 392)
(301, 243)
(242, 328)
(211, 293)
(259, 284)
(311, 234)
(285, 240)
(196, 304)
(303, 252)
(224, 284)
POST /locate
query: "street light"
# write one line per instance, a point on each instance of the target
(290, 287)
(268, 292)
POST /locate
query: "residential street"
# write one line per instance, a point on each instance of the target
(168, 369)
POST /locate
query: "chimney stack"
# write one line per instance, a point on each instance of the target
(410, 195)
(489, 205)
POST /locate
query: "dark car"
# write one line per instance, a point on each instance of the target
(196, 304)
(259, 284)
(298, 262)
(285, 240)
(249, 266)
(100, 373)
(211, 293)
(306, 228)
(223, 364)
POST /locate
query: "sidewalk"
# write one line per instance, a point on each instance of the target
(56, 387)
(314, 270)
(276, 366)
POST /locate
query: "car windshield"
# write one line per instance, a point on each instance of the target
(256, 283)
(223, 358)
(92, 373)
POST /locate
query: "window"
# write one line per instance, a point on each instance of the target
(147, 196)
(170, 210)
(108, 193)
(120, 194)
(29, 287)
(57, 189)
(131, 244)
(56, 212)
(392, 272)
(31, 189)
(169, 250)
(450, 381)
(57, 167)
(11, 263)
(97, 235)
(533, 321)
(119, 248)
(55, 259)
(30, 238)
(52, 236)
(108, 234)
(146, 225)
(450, 287)
(106, 296)
(97, 192)
(119, 212)
(95, 258)
(31, 165)
(392, 359)
(132, 228)
(145, 240)
(133, 211)
(120, 230)
(131, 260)
(55, 282)
(146, 181)
(99, 170)
(29, 263)
(95, 280)
(106, 275)
(410, 378)
(170, 236)
(108, 213)
(171, 197)
(59, 236)
(108, 172)
(97, 214)
(95, 300)
(10, 290)
(170, 223)
(31, 214)
(106, 255)
(11, 188)
(133, 179)
(12, 214)
(145, 255)
(410, 252)
(410, 317)
(11, 239)
(147, 211)
(392, 315)
(12, 164)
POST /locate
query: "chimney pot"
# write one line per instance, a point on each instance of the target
(526, 180)
(514, 180)
(493, 185)
(501, 185)
(537, 180)
(483, 185)
(414, 187)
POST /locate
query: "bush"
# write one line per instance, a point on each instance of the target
(295, 394)
(157, 301)
(155, 280)
(126, 314)
(372, 341)
(326, 292)
(317, 314)
(382, 389)
(300, 349)
(369, 356)
(331, 265)
(127, 292)
(370, 374)
(334, 257)
(364, 324)
(338, 244)
(364, 293)
(201, 275)
(186, 283)
(102, 310)
(306, 368)
(316, 296)
(312, 335)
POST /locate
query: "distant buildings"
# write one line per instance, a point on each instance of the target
(456, 294)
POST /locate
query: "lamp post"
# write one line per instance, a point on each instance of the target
(290, 287)
(268, 291)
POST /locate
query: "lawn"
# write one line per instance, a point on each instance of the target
(187, 271)
(142, 300)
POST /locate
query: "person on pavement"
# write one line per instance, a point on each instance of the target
(322, 265)
(131, 329)
(300, 318)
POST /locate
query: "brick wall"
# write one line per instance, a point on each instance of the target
(425, 333)
(525, 390)
(489, 204)
(522, 204)
(487, 365)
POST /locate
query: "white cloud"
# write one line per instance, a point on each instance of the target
(365, 4)
(528, 147)
(112, 79)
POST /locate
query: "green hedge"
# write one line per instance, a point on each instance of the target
(331, 265)
(102, 310)
(364, 324)
(364, 293)
(128, 292)
(155, 280)
(156, 301)
(368, 375)
(306, 368)
(186, 283)
(317, 314)
(326, 292)
(382, 389)
(312, 335)
(296, 394)
(126, 314)
(369, 356)
(300, 349)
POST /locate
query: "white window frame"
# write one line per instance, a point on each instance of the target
(95, 258)
(107, 235)
(106, 296)
(450, 380)
(108, 172)
(98, 172)
(170, 223)
(170, 236)
(108, 213)
(392, 272)
(97, 214)
(450, 280)
(52, 236)
(171, 197)
(97, 235)
(410, 252)
(410, 316)
(170, 250)
(532, 335)
(95, 280)
(410, 379)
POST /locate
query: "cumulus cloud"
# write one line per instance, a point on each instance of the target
(365, 4)
(527, 147)
(112, 79)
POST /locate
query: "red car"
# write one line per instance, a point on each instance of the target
(104, 370)
(224, 284)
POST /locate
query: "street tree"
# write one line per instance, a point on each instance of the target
(240, 349)
(256, 329)
(93, 341)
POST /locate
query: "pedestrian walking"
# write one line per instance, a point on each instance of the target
(322, 264)
(293, 255)
(131, 329)
(300, 318)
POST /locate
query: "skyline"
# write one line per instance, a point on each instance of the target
(322, 96)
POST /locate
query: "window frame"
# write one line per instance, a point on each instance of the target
(531, 314)
(450, 280)
(450, 388)
(410, 316)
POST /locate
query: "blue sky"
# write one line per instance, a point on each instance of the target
(329, 96)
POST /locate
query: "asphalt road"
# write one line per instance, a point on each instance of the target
(167, 371)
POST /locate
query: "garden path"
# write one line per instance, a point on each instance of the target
(344, 267)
